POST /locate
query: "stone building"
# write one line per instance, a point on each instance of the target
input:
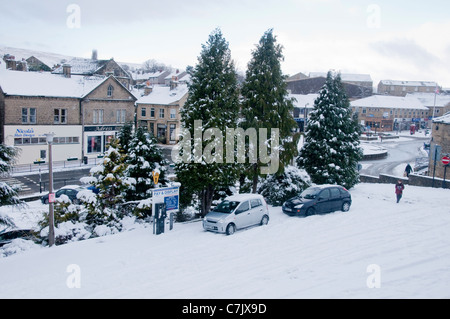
(441, 137)
(401, 88)
(83, 112)
(384, 113)
(91, 67)
(159, 111)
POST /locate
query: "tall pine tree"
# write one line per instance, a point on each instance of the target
(213, 100)
(331, 150)
(143, 158)
(8, 194)
(265, 101)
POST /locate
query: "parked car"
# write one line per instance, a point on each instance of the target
(320, 199)
(237, 212)
(7, 237)
(70, 191)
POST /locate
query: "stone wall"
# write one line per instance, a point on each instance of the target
(413, 180)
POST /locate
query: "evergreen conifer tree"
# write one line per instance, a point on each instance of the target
(112, 184)
(213, 100)
(8, 194)
(266, 103)
(331, 151)
(143, 158)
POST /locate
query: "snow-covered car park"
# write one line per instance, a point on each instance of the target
(378, 249)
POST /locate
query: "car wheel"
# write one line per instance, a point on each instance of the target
(345, 206)
(264, 220)
(231, 228)
(310, 211)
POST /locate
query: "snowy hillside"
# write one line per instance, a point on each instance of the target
(379, 249)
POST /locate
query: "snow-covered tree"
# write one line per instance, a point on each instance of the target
(213, 104)
(143, 158)
(8, 194)
(331, 150)
(125, 136)
(278, 188)
(266, 102)
(112, 183)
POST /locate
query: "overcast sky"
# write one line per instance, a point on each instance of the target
(395, 39)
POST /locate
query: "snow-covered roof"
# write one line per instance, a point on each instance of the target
(49, 59)
(443, 119)
(47, 84)
(82, 66)
(428, 99)
(163, 95)
(349, 77)
(304, 100)
(409, 83)
(387, 101)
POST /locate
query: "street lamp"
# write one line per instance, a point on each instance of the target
(51, 195)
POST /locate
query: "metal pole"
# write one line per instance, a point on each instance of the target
(434, 167)
(445, 172)
(51, 218)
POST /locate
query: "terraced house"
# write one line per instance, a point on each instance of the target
(84, 113)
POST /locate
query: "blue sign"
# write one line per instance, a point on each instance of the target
(171, 202)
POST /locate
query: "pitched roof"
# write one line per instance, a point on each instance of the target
(163, 95)
(409, 83)
(443, 119)
(345, 76)
(47, 84)
(387, 101)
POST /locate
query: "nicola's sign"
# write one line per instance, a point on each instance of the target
(29, 132)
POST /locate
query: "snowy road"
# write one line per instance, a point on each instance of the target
(399, 154)
(379, 249)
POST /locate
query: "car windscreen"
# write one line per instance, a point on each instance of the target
(226, 207)
(310, 193)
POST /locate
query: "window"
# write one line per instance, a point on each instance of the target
(243, 207)
(172, 129)
(255, 202)
(161, 113)
(110, 90)
(173, 113)
(60, 116)
(28, 115)
(335, 192)
(98, 116)
(94, 144)
(325, 194)
(121, 115)
(152, 112)
(143, 112)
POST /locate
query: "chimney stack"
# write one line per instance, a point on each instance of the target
(67, 70)
(148, 89)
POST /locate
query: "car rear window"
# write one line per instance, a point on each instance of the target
(335, 192)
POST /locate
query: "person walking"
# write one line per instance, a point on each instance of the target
(408, 170)
(399, 187)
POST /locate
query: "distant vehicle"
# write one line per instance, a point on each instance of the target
(70, 191)
(319, 199)
(7, 237)
(237, 212)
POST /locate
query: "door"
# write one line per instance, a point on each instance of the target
(243, 215)
(257, 211)
(335, 200)
(323, 202)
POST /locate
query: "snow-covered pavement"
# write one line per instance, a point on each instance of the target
(379, 249)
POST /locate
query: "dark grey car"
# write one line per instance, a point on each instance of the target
(319, 199)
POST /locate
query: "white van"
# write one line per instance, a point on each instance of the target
(237, 212)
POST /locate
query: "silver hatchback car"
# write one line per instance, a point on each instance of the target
(237, 212)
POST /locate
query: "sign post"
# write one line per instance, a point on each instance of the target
(169, 197)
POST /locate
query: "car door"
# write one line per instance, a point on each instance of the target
(243, 215)
(257, 210)
(323, 202)
(335, 199)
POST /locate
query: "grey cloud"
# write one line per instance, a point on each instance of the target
(407, 51)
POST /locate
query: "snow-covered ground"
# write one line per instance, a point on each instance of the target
(379, 249)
